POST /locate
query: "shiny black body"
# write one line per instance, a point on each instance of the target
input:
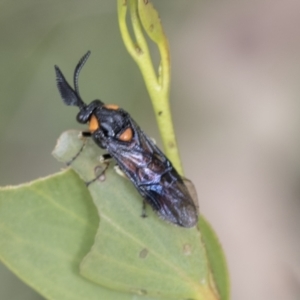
(139, 158)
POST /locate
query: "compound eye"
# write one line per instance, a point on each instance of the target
(93, 124)
(126, 135)
(111, 106)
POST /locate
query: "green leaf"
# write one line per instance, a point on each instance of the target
(48, 226)
(151, 21)
(216, 259)
(46, 229)
(144, 256)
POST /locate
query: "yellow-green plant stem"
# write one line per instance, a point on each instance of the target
(157, 83)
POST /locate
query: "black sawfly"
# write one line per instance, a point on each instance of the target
(136, 154)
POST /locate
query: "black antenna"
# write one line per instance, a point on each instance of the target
(68, 94)
(78, 69)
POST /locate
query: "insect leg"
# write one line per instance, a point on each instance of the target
(144, 214)
(98, 176)
(83, 134)
(105, 158)
(86, 134)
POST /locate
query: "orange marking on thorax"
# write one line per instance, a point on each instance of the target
(93, 124)
(126, 136)
(111, 106)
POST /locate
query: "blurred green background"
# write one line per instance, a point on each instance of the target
(235, 102)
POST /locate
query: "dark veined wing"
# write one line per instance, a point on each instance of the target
(156, 180)
(172, 200)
